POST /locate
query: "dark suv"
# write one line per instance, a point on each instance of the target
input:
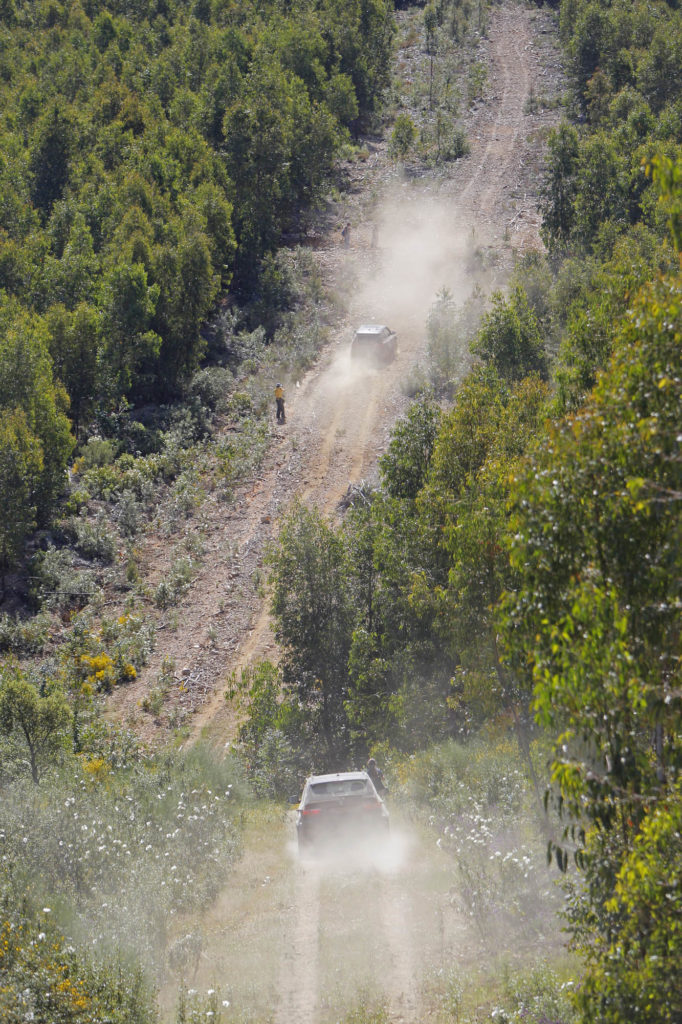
(339, 808)
(376, 344)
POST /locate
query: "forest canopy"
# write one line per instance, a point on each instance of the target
(151, 154)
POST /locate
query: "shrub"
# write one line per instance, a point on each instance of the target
(25, 637)
(45, 978)
(477, 798)
(95, 541)
(96, 453)
(538, 997)
(59, 584)
(96, 843)
(213, 386)
(402, 137)
(170, 590)
(130, 513)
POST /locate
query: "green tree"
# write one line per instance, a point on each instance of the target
(559, 188)
(597, 542)
(21, 464)
(313, 622)
(26, 383)
(632, 968)
(402, 137)
(50, 157)
(463, 509)
(451, 327)
(129, 303)
(74, 340)
(406, 462)
(41, 722)
(592, 319)
(189, 288)
(509, 338)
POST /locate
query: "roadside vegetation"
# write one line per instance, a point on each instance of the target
(497, 620)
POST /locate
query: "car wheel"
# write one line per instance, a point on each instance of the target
(304, 844)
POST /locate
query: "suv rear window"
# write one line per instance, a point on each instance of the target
(340, 787)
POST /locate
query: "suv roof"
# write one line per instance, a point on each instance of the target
(337, 777)
(373, 329)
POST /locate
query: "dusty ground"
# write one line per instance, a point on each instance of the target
(381, 934)
(302, 943)
(435, 229)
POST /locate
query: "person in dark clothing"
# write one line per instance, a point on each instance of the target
(345, 234)
(377, 776)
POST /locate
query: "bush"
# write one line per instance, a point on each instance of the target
(535, 998)
(25, 637)
(45, 978)
(171, 589)
(450, 329)
(477, 799)
(402, 137)
(96, 843)
(96, 453)
(213, 386)
(95, 541)
(59, 584)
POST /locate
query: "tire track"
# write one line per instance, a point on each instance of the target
(399, 936)
(298, 985)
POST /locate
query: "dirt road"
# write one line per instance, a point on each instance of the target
(303, 943)
(309, 941)
(435, 230)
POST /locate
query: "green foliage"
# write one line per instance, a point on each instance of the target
(39, 433)
(25, 636)
(632, 967)
(592, 317)
(627, 81)
(20, 466)
(405, 464)
(45, 978)
(560, 187)
(39, 720)
(535, 998)
(450, 329)
(273, 741)
(312, 613)
(146, 159)
(480, 802)
(403, 136)
(509, 338)
(119, 842)
(59, 583)
(668, 176)
(594, 617)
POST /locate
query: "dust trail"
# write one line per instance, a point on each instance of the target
(423, 247)
(298, 986)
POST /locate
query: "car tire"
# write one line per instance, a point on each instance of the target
(304, 844)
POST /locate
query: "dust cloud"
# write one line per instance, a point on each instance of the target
(423, 244)
(355, 855)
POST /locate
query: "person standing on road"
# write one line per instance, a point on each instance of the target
(345, 234)
(279, 399)
(377, 776)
